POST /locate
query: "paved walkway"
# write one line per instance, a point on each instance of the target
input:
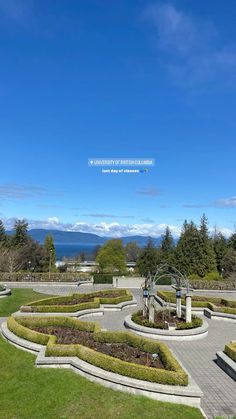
(198, 357)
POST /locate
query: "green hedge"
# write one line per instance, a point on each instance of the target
(103, 278)
(173, 374)
(137, 318)
(230, 350)
(47, 305)
(227, 310)
(226, 284)
(196, 322)
(163, 281)
(201, 301)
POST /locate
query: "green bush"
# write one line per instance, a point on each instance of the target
(228, 303)
(64, 308)
(213, 285)
(173, 374)
(164, 281)
(137, 318)
(196, 322)
(102, 278)
(227, 310)
(230, 350)
(56, 304)
(2, 287)
(212, 276)
(202, 301)
(194, 277)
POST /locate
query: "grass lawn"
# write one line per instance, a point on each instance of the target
(30, 392)
(19, 296)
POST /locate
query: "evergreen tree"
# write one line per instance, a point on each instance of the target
(232, 241)
(50, 251)
(20, 238)
(3, 236)
(187, 249)
(207, 257)
(148, 260)
(220, 248)
(229, 263)
(167, 247)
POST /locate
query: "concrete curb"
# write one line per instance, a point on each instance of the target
(227, 364)
(161, 334)
(5, 293)
(189, 395)
(217, 315)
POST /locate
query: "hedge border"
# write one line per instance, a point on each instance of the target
(44, 306)
(209, 302)
(230, 350)
(172, 375)
(196, 322)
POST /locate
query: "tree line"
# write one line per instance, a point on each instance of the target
(18, 251)
(197, 254)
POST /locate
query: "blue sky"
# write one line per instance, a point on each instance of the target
(81, 79)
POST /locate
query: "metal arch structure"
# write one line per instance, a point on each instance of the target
(167, 270)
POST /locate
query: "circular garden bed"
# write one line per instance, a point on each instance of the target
(164, 318)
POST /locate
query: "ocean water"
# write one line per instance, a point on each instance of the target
(70, 250)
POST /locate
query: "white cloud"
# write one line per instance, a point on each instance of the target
(190, 48)
(226, 203)
(105, 229)
(150, 191)
(15, 191)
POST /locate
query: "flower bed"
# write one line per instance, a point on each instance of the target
(161, 324)
(168, 371)
(213, 303)
(77, 302)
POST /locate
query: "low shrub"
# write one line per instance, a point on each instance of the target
(196, 322)
(137, 318)
(163, 281)
(173, 374)
(102, 278)
(194, 277)
(2, 287)
(230, 350)
(227, 310)
(213, 285)
(212, 276)
(56, 304)
(202, 301)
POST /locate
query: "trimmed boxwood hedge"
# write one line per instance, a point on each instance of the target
(47, 305)
(196, 322)
(202, 301)
(102, 278)
(230, 350)
(227, 310)
(173, 374)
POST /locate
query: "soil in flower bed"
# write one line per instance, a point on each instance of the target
(123, 351)
(84, 299)
(169, 317)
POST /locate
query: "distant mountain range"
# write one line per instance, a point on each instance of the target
(72, 237)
